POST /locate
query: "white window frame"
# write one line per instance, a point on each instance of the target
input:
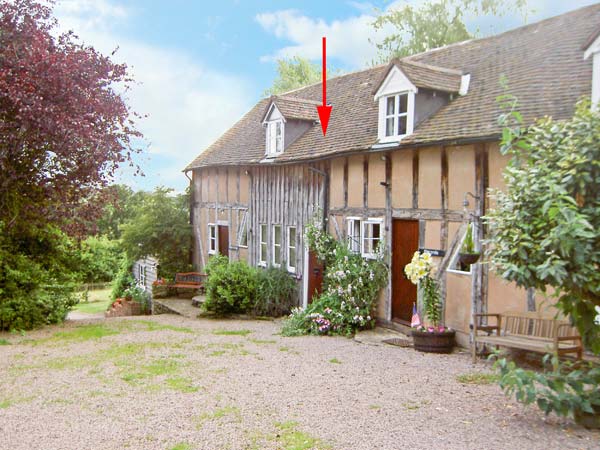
(409, 114)
(454, 260)
(276, 247)
(291, 243)
(262, 240)
(213, 239)
(396, 83)
(243, 230)
(275, 145)
(354, 242)
(365, 223)
(142, 275)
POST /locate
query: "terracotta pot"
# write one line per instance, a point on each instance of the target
(434, 342)
(589, 420)
(468, 258)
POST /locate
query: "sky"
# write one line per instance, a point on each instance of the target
(200, 65)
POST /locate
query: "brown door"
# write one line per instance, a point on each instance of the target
(315, 276)
(224, 240)
(405, 241)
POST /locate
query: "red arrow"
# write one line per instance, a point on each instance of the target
(325, 109)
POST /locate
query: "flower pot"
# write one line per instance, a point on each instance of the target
(589, 420)
(468, 258)
(434, 342)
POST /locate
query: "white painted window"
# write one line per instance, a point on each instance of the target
(354, 234)
(372, 234)
(243, 230)
(213, 242)
(291, 249)
(455, 265)
(276, 246)
(262, 259)
(142, 280)
(396, 115)
(275, 137)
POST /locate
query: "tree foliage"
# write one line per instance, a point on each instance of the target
(64, 126)
(544, 230)
(160, 227)
(434, 24)
(295, 73)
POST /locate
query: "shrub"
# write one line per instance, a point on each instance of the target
(230, 287)
(276, 293)
(123, 280)
(568, 389)
(138, 295)
(351, 285)
(100, 259)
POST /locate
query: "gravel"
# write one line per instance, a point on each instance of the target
(257, 390)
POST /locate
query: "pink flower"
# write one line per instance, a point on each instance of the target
(430, 330)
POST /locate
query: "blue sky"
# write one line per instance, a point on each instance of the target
(201, 65)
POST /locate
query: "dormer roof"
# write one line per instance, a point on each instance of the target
(293, 108)
(425, 76)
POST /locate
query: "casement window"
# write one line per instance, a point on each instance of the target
(291, 249)
(372, 233)
(354, 234)
(396, 115)
(142, 278)
(455, 265)
(242, 235)
(274, 137)
(276, 246)
(262, 237)
(213, 242)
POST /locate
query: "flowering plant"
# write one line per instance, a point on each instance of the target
(420, 272)
(350, 288)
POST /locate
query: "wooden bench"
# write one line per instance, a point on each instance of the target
(188, 280)
(530, 331)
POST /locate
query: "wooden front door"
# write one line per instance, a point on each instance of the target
(405, 241)
(224, 240)
(315, 276)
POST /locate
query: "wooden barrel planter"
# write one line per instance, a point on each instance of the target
(434, 342)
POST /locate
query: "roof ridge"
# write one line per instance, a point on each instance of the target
(432, 67)
(498, 35)
(354, 72)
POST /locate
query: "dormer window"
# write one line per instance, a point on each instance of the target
(396, 115)
(274, 137)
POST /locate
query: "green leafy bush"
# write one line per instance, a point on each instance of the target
(100, 259)
(138, 295)
(568, 389)
(37, 277)
(123, 281)
(276, 293)
(351, 286)
(230, 287)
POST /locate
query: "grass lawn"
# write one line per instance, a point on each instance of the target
(98, 302)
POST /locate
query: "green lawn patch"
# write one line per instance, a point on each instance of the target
(182, 446)
(262, 341)
(98, 301)
(149, 325)
(335, 361)
(477, 378)
(232, 332)
(4, 342)
(82, 333)
(290, 438)
(181, 384)
(220, 413)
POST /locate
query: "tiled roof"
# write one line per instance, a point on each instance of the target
(542, 63)
(428, 76)
(296, 108)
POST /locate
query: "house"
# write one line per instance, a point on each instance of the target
(411, 150)
(145, 272)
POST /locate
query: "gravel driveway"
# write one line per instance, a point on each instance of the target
(167, 382)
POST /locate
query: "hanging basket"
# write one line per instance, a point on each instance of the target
(468, 258)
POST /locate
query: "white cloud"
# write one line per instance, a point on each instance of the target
(347, 40)
(188, 104)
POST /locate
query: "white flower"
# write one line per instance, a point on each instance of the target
(597, 319)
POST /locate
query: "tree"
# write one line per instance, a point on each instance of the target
(121, 207)
(544, 230)
(434, 24)
(64, 128)
(295, 73)
(160, 227)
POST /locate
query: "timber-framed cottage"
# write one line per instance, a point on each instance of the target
(411, 150)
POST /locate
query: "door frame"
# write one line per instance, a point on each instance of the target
(305, 278)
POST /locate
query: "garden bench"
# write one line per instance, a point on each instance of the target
(188, 280)
(530, 331)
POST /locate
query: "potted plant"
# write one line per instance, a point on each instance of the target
(434, 337)
(467, 254)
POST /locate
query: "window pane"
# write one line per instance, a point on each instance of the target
(389, 126)
(292, 258)
(402, 125)
(375, 230)
(263, 233)
(391, 105)
(277, 229)
(279, 143)
(263, 252)
(403, 103)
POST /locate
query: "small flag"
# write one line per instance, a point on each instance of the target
(416, 320)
